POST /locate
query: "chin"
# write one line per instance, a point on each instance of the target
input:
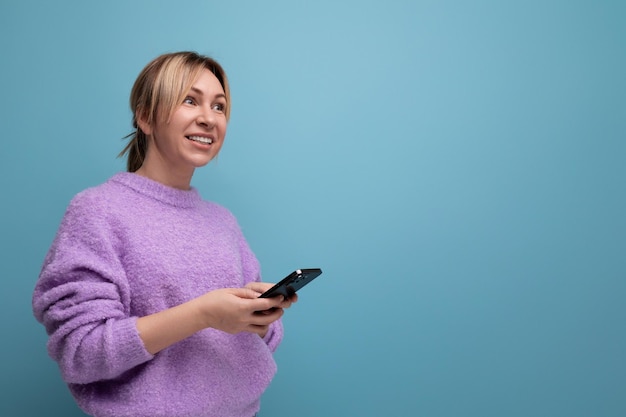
(203, 162)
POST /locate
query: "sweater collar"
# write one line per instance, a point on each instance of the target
(156, 190)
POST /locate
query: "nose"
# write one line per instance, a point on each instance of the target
(206, 117)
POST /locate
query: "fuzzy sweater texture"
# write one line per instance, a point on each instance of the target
(132, 247)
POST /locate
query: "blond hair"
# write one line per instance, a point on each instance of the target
(158, 91)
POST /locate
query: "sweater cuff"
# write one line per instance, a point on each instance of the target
(129, 342)
(274, 335)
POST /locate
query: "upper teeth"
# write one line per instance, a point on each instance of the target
(201, 139)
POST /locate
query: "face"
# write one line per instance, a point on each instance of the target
(193, 136)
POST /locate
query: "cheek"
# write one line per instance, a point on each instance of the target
(223, 128)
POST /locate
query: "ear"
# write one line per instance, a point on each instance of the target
(142, 123)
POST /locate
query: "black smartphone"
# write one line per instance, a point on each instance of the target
(292, 283)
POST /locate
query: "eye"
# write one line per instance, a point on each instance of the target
(189, 100)
(219, 107)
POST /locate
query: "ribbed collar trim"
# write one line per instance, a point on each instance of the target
(156, 190)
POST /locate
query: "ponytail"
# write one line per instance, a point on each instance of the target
(136, 150)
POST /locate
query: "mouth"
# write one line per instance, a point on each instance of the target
(200, 139)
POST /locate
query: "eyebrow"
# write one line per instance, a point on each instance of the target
(200, 92)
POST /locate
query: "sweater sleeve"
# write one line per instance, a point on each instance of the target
(83, 299)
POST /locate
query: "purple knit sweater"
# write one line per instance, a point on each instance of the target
(131, 247)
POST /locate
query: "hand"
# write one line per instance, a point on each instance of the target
(235, 310)
(231, 310)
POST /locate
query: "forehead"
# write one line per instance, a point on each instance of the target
(207, 84)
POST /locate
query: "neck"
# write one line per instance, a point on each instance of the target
(171, 178)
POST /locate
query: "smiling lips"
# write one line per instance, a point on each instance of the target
(200, 139)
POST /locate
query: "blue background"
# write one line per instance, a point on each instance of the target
(456, 168)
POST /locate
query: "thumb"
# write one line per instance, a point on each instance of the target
(246, 293)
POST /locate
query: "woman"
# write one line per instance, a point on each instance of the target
(150, 295)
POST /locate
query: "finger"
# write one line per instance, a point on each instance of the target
(259, 287)
(266, 317)
(288, 302)
(260, 304)
(247, 293)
